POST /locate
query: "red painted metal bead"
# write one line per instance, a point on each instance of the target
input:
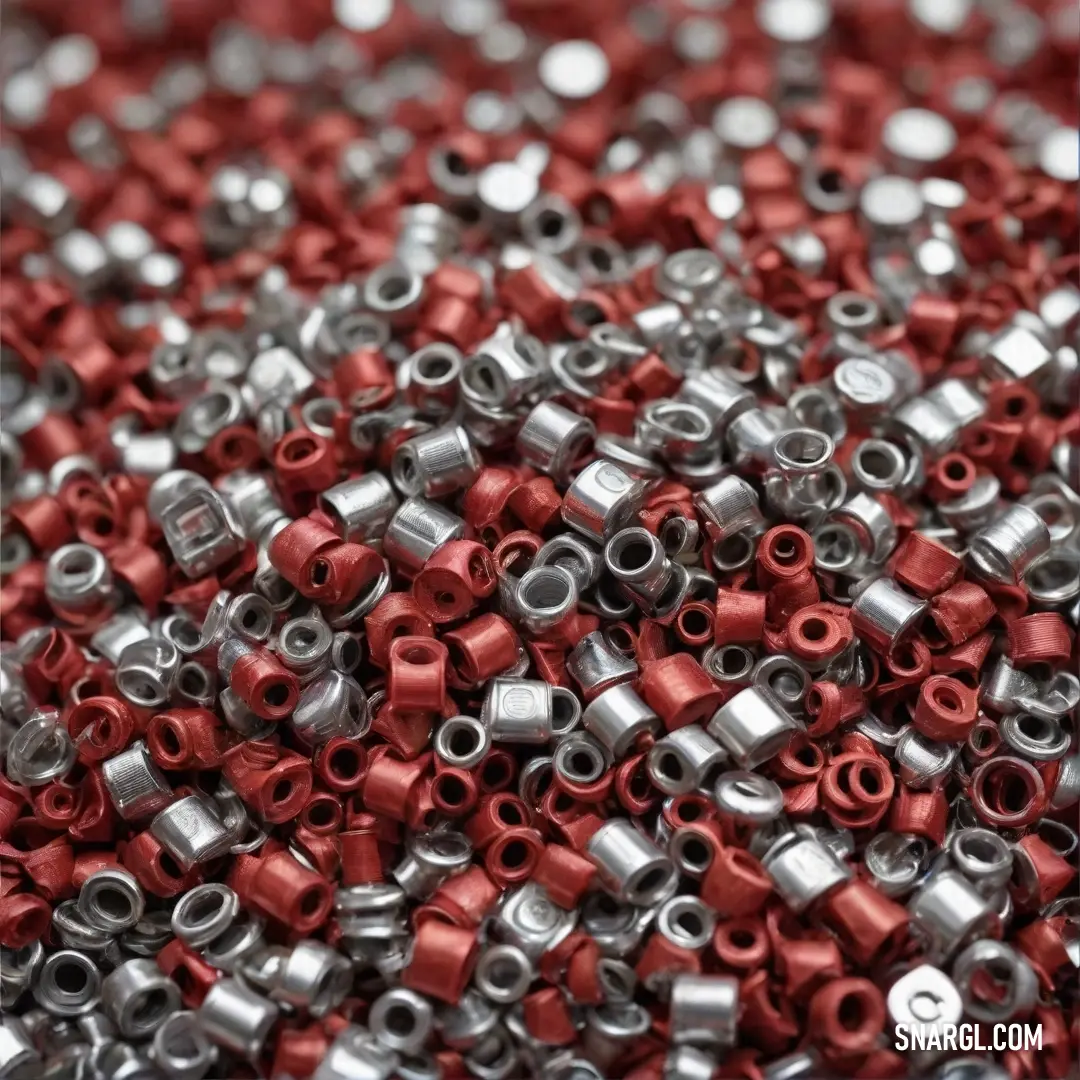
(395, 614)
(735, 884)
(924, 566)
(290, 893)
(274, 781)
(847, 1015)
(677, 688)
(946, 710)
(187, 739)
(189, 971)
(1040, 638)
(442, 962)
(417, 673)
(453, 580)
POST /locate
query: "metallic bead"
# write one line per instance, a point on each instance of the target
(111, 900)
(884, 614)
(68, 984)
(146, 671)
(355, 1054)
(181, 1050)
(753, 727)
(204, 913)
(602, 500)
(731, 506)
(191, 831)
(629, 866)
(461, 741)
(41, 750)
(896, 862)
(135, 785)
(331, 705)
(313, 977)
(924, 999)
(19, 1058)
(401, 1020)
(518, 711)
(237, 1018)
(984, 857)
(201, 531)
(618, 718)
(682, 760)
(594, 664)
(1016, 353)
(948, 912)
(553, 438)
(435, 463)
(430, 859)
(417, 530)
(503, 974)
(924, 764)
(543, 597)
(704, 1010)
(504, 370)
(78, 579)
(527, 919)
(1004, 549)
(636, 559)
(803, 870)
(748, 798)
(138, 997)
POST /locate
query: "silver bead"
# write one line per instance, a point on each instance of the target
(704, 1010)
(682, 761)
(68, 984)
(181, 1050)
(984, 857)
(884, 615)
(630, 866)
(204, 913)
(360, 508)
(19, 1058)
(417, 530)
(461, 741)
(191, 831)
(753, 727)
(332, 705)
(430, 859)
(78, 578)
(803, 870)
(1014, 352)
(237, 1018)
(201, 531)
(947, 912)
(111, 900)
(146, 671)
(602, 500)
(401, 1020)
(135, 784)
(356, 1055)
(436, 463)
(925, 765)
(543, 597)
(41, 750)
(636, 559)
(748, 798)
(1003, 549)
(503, 974)
(518, 711)
(896, 862)
(505, 369)
(313, 977)
(925, 1000)
(553, 438)
(594, 664)
(138, 996)
(617, 718)
(731, 506)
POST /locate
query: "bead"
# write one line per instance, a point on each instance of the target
(752, 727)
(236, 1017)
(1003, 549)
(884, 614)
(628, 865)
